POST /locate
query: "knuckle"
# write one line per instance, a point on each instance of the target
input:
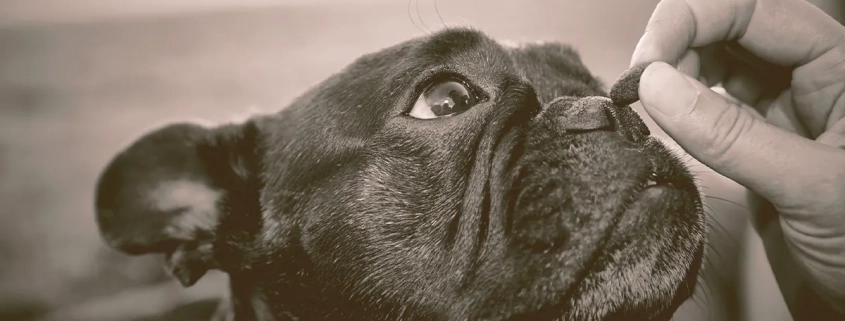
(729, 125)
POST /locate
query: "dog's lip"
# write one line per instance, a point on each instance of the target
(565, 284)
(655, 188)
(655, 178)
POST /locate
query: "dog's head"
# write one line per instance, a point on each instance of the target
(444, 178)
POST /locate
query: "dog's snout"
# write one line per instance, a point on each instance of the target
(583, 114)
(576, 115)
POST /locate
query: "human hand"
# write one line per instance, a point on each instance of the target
(782, 138)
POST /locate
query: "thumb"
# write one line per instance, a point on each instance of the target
(788, 170)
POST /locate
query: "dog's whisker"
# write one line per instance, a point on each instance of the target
(688, 289)
(715, 225)
(712, 276)
(703, 294)
(727, 201)
(410, 17)
(437, 10)
(422, 21)
(711, 215)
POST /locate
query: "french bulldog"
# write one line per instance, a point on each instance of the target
(444, 178)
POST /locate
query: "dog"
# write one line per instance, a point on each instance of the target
(447, 177)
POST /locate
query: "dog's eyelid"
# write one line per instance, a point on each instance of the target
(433, 78)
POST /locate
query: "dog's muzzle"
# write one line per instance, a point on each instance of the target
(582, 166)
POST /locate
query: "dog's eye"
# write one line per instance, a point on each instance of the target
(443, 99)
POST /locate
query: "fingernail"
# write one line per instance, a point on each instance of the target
(666, 90)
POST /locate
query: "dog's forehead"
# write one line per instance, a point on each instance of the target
(465, 44)
(451, 43)
(552, 68)
(469, 52)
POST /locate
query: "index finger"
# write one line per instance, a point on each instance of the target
(783, 32)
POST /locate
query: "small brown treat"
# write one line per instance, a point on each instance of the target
(626, 89)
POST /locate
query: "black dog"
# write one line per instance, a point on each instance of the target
(444, 178)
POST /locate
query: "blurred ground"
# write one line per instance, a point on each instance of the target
(73, 94)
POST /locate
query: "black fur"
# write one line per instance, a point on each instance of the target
(534, 204)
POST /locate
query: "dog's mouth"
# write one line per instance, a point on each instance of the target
(603, 228)
(544, 193)
(649, 261)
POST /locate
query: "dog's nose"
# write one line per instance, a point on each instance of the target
(583, 114)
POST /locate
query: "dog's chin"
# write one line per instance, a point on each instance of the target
(645, 270)
(607, 228)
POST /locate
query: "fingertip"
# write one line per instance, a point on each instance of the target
(636, 58)
(644, 52)
(668, 34)
(665, 92)
(648, 77)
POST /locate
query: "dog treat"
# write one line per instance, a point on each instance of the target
(626, 89)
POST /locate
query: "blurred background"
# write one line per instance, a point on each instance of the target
(79, 80)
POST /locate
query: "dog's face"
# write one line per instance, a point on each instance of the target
(445, 178)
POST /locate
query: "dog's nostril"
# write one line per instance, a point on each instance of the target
(584, 114)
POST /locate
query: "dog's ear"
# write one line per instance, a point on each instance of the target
(168, 191)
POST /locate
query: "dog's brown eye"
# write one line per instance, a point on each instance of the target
(443, 99)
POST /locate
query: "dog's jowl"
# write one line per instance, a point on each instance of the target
(444, 178)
